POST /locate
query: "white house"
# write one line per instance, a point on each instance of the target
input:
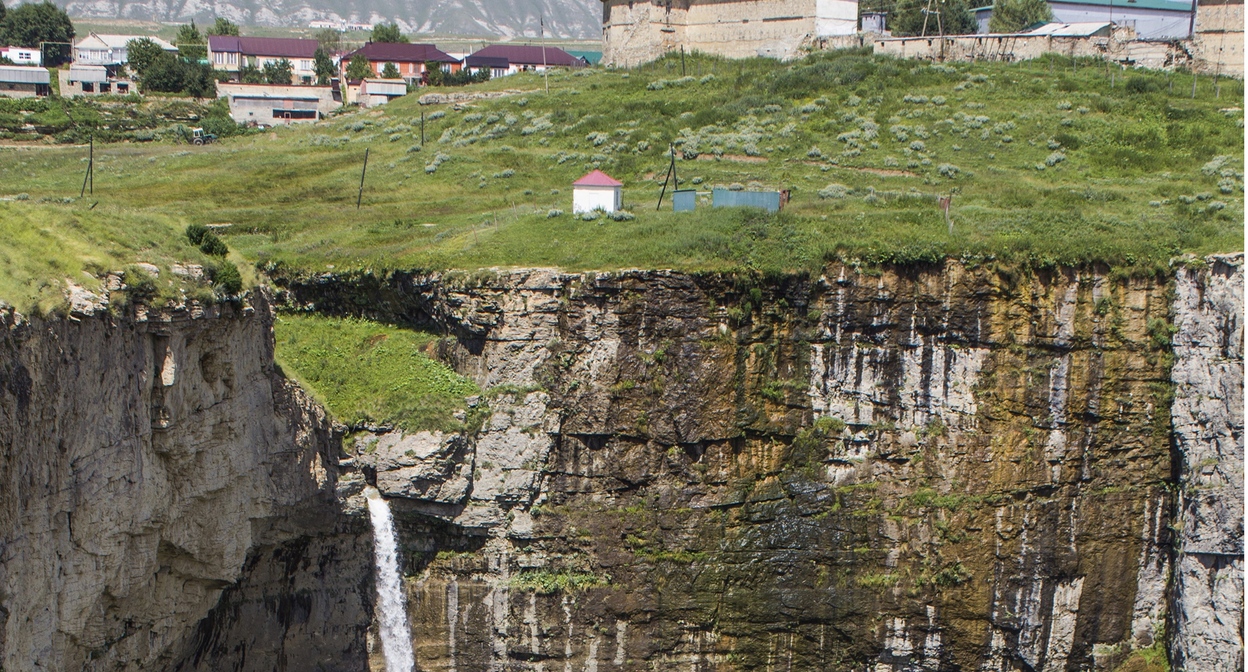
(110, 50)
(597, 191)
(22, 55)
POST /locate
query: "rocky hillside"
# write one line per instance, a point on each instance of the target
(941, 467)
(577, 19)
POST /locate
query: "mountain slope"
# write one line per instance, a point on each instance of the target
(576, 19)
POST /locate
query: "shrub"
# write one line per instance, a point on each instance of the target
(195, 233)
(918, 146)
(948, 170)
(140, 285)
(210, 244)
(504, 174)
(1139, 84)
(554, 212)
(226, 279)
(1054, 159)
(814, 153)
(834, 191)
(622, 216)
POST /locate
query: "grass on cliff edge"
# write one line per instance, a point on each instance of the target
(1047, 163)
(369, 373)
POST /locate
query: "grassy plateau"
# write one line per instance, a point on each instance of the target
(1046, 163)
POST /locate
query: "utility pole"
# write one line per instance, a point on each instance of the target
(360, 196)
(89, 177)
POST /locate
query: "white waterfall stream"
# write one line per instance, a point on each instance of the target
(396, 638)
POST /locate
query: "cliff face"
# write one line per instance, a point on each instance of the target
(942, 468)
(911, 469)
(154, 467)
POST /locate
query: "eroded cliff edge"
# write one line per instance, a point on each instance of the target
(941, 468)
(167, 499)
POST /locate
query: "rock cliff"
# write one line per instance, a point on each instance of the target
(167, 499)
(933, 468)
(943, 468)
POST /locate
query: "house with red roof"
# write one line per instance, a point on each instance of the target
(520, 57)
(229, 53)
(408, 59)
(597, 191)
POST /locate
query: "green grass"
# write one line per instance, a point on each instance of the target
(546, 582)
(1129, 191)
(369, 373)
(43, 245)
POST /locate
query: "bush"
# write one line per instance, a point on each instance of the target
(1139, 84)
(140, 285)
(196, 232)
(554, 212)
(834, 191)
(226, 279)
(210, 244)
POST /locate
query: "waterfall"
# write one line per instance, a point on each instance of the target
(396, 638)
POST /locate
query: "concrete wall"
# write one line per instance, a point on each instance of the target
(21, 90)
(637, 32)
(1218, 45)
(116, 87)
(255, 103)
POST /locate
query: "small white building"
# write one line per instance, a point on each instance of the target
(374, 92)
(110, 50)
(277, 104)
(22, 55)
(597, 191)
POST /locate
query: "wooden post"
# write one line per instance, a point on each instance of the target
(86, 177)
(671, 169)
(682, 60)
(422, 129)
(1194, 77)
(944, 206)
(360, 196)
(91, 165)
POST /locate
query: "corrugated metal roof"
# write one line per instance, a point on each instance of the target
(88, 73)
(283, 47)
(529, 55)
(1126, 5)
(109, 41)
(401, 52)
(1083, 29)
(266, 96)
(23, 74)
(386, 87)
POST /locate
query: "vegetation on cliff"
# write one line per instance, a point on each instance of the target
(1047, 162)
(371, 374)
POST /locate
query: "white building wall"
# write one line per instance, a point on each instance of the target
(588, 199)
(836, 17)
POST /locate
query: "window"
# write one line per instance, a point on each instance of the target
(305, 65)
(218, 58)
(123, 88)
(233, 59)
(88, 87)
(105, 87)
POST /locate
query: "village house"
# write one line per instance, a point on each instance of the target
(229, 54)
(273, 104)
(22, 55)
(520, 57)
(1151, 19)
(408, 59)
(91, 80)
(110, 51)
(23, 81)
(497, 66)
(597, 191)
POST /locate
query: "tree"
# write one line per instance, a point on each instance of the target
(142, 52)
(278, 72)
(387, 32)
(323, 66)
(29, 24)
(954, 18)
(359, 68)
(223, 26)
(190, 42)
(2, 11)
(329, 39)
(390, 72)
(250, 74)
(1012, 16)
(170, 74)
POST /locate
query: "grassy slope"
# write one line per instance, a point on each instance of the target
(365, 372)
(1131, 162)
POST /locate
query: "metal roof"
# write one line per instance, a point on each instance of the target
(401, 52)
(109, 41)
(1083, 29)
(475, 61)
(23, 74)
(522, 54)
(88, 73)
(1127, 5)
(597, 178)
(265, 96)
(284, 47)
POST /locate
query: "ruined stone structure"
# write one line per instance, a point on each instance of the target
(636, 31)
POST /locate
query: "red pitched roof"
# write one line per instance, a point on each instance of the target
(285, 47)
(519, 54)
(402, 52)
(597, 179)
